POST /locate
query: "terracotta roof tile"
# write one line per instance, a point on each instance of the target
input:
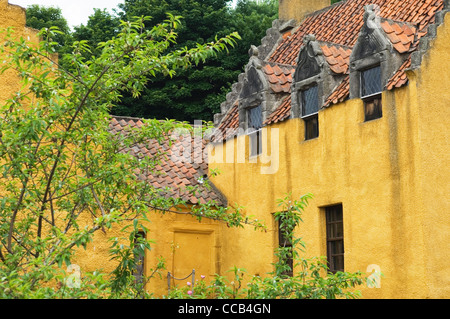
(282, 112)
(228, 127)
(341, 23)
(399, 78)
(175, 175)
(279, 77)
(401, 35)
(340, 94)
(337, 56)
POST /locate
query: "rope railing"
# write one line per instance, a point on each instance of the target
(169, 276)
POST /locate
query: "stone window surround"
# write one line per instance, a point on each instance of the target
(378, 59)
(256, 96)
(257, 99)
(298, 87)
(383, 55)
(326, 80)
(388, 60)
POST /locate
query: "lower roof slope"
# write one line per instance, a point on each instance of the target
(175, 176)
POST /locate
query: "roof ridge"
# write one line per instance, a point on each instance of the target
(343, 46)
(409, 23)
(127, 118)
(272, 63)
(320, 11)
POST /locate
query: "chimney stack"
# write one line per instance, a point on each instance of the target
(298, 9)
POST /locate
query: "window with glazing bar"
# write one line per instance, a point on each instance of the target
(335, 238)
(255, 121)
(371, 93)
(310, 107)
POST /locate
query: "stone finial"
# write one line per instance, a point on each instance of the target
(372, 16)
(310, 40)
(253, 51)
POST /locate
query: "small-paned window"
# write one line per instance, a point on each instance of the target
(255, 121)
(335, 238)
(310, 101)
(311, 126)
(371, 93)
(310, 108)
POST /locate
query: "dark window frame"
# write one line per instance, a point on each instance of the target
(372, 99)
(335, 237)
(311, 126)
(310, 117)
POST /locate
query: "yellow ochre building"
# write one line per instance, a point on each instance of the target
(348, 102)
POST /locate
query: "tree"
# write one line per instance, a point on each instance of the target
(39, 17)
(63, 176)
(252, 19)
(100, 27)
(197, 93)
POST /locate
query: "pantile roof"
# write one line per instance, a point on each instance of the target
(279, 77)
(229, 125)
(401, 35)
(341, 23)
(399, 78)
(340, 94)
(170, 175)
(281, 113)
(337, 28)
(337, 57)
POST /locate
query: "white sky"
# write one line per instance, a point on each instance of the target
(76, 12)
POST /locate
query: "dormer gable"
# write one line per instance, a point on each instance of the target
(319, 64)
(254, 81)
(371, 39)
(255, 89)
(378, 45)
(310, 59)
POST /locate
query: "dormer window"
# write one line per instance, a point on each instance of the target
(317, 74)
(371, 92)
(373, 60)
(310, 107)
(255, 121)
(310, 101)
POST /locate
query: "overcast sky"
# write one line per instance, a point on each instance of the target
(76, 12)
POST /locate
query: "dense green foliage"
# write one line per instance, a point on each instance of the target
(197, 93)
(194, 93)
(64, 177)
(101, 26)
(303, 278)
(39, 17)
